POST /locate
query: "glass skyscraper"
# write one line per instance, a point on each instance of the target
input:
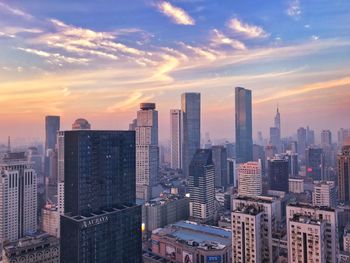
(52, 126)
(101, 222)
(243, 113)
(191, 125)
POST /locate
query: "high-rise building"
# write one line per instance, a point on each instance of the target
(201, 184)
(343, 174)
(220, 165)
(278, 173)
(81, 124)
(324, 193)
(301, 134)
(343, 136)
(175, 138)
(101, 222)
(260, 217)
(304, 235)
(231, 172)
(314, 160)
(249, 179)
(50, 219)
(275, 138)
(277, 120)
(326, 138)
(243, 114)
(246, 233)
(18, 197)
(52, 126)
(310, 136)
(292, 163)
(306, 239)
(191, 127)
(133, 125)
(147, 150)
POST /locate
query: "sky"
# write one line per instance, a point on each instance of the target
(100, 59)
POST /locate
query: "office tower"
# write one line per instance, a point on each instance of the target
(81, 124)
(326, 138)
(230, 149)
(165, 210)
(306, 237)
(343, 174)
(314, 163)
(278, 173)
(175, 135)
(189, 242)
(343, 136)
(18, 197)
(260, 139)
(207, 142)
(50, 219)
(52, 126)
(277, 120)
(231, 172)
(328, 217)
(36, 248)
(243, 113)
(36, 158)
(51, 179)
(60, 174)
(258, 152)
(133, 125)
(191, 127)
(261, 231)
(275, 138)
(220, 165)
(101, 222)
(147, 150)
(294, 147)
(249, 179)
(201, 184)
(324, 194)
(246, 233)
(310, 136)
(301, 134)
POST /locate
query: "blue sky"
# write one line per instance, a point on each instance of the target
(100, 59)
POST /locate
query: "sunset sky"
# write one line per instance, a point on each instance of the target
(100, 59)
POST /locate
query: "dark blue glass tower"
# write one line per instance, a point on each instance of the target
(244, 138)
(101, 221)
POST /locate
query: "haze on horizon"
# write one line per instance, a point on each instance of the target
(99, 61)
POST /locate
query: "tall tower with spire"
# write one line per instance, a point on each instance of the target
(278, 119)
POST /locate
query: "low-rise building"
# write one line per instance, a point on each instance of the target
(40, 247)
(187, 241)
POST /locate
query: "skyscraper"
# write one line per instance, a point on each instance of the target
(201, 184)
(18, 197)
(220, 165)
(343, 172)
(314, 160)
(324, 194)
(277, 120)
(52, 126)
(191, 127)
(101, 222)
(326, 138)
(310, 136)
(278, 173)
(175, 137)
(343, 136)
(249, 179)
(301, 134)
(275, 138)
(147, 150)
(243, 113)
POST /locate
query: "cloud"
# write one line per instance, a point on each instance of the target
(54, 58)
(315, 37)
(250, 31)
(219, 39)
(178, 15)
(294, 9)
(14, 11)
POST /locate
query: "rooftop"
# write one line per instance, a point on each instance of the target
(194, 234)
(309, 206)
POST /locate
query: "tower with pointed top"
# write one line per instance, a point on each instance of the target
(278, 119)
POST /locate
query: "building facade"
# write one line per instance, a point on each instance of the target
(343, 174)
(243, 116)
(101, 222)
(324, 194)
(147, 150)
(191, 127)
(201, 184)
(278, 173)
(18, 197)
(176, 138)
(249, 179)
(220, 165)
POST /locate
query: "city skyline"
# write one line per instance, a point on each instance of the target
(58, 63)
